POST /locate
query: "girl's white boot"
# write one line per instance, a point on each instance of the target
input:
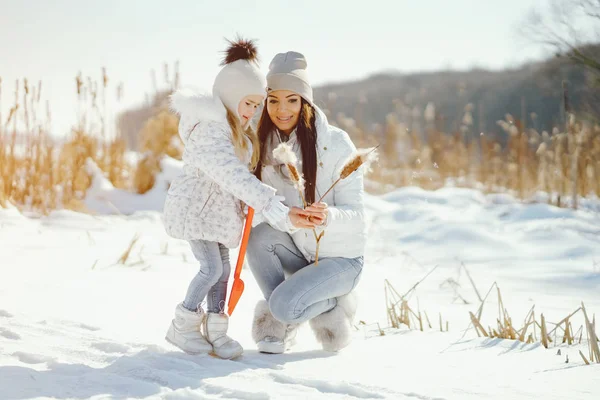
(215, 331)
(185, 332)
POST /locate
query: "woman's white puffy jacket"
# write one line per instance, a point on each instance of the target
(346, 232)
(204, 202)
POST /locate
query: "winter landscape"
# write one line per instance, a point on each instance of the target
(91, 326)
(482, 268)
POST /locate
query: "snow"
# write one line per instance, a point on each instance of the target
(76, 324)
(103, 198)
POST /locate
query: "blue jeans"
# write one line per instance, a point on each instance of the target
(211, 280)
(309, 289)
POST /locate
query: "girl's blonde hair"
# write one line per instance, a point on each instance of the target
(239, 144)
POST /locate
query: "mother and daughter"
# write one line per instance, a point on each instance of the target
(228, 166)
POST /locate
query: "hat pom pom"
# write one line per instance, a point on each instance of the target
(240, 49)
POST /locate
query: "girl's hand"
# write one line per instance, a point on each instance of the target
(318, 213)
(300, 218)
(275, 211)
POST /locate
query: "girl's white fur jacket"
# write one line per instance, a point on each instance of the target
(204, 202)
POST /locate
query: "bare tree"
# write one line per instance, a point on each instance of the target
(569, 27)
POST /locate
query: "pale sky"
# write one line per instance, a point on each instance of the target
(53, 40)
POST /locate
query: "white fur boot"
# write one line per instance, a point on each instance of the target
(333, 329)
(215, 329)
(271, 336)
(185, 332)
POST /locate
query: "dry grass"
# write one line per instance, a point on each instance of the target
(401, 314)
(125, 256)
(160, 135)
(38, 173)
(533, 330)
(564, 164)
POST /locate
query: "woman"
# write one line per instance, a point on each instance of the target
(315, 293)
(204, 205)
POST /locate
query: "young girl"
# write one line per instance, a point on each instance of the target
(205, 204)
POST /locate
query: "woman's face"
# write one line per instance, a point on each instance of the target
(248, 107)
(284, 107)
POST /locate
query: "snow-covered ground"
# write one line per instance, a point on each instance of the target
(76, 324)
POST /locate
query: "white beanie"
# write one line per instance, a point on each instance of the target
(287, 71)
(240, 76)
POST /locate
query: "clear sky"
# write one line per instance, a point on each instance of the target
(53, 40)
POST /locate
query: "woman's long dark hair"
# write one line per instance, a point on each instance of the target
(306, 132)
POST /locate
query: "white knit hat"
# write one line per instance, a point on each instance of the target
(240, 76)
(287, 71)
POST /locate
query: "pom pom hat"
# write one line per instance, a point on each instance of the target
(240, 75)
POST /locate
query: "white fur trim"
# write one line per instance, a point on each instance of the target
(195, 106)
(264, 324)
(333, 329)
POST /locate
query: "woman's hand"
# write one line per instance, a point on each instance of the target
(300, 218)
(318, 213)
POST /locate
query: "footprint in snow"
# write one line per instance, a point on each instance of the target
(76, 325)
(88, 327)
(29, 358)
(8, 334)
(342, 388)
(111, 348)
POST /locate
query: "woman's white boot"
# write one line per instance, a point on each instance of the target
(271, 336)
(333, 329)
(185, 332)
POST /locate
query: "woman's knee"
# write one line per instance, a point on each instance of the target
(264, 236)
(284, 306)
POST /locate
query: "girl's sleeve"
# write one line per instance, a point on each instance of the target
(209, 148)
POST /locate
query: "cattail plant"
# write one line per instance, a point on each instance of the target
(284, 154)
(361, 157)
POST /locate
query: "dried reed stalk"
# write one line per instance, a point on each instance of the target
(399, 312)
(284, 154)
(471, 280)
(427, 318)
(361, 157)
(584, 359)
(45, 176)
(564, 320)
(125, 255)
(592, 337)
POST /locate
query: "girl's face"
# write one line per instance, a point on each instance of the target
(248, 107)
(284, 107)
